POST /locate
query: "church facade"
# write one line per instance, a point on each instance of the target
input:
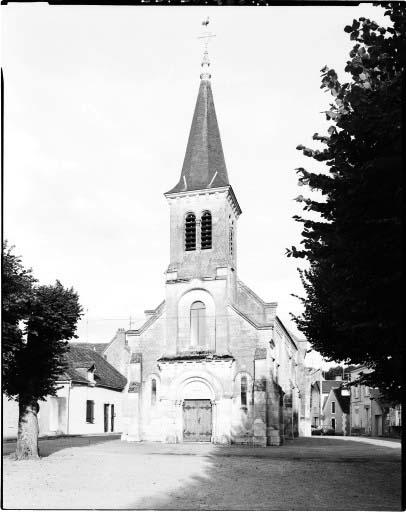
(213, 362)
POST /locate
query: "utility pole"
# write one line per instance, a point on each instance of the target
(321, 398)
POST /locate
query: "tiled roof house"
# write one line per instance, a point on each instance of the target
(88, 399)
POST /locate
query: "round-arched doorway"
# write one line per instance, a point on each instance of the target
(197, 411)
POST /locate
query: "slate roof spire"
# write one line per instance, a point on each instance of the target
(204, 166)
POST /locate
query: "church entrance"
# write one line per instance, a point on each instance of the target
(197, 421)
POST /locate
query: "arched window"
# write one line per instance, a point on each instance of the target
(243, 391)
(206, 230)
(153, 391)
(197, 324)
(190, 232)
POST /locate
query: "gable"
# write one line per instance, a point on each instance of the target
(79, 360)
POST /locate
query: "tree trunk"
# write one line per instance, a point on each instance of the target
(27, 438)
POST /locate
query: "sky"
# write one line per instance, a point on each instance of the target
(98, 106)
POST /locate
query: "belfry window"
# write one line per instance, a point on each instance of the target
(153, 392)
(190, 232)
(243, 391)
(197, 324)
(206, 231)
(231, 239)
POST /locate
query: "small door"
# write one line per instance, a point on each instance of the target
(197, 420)
(106, 417)
(112, 417)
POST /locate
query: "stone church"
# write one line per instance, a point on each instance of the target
(213, 362)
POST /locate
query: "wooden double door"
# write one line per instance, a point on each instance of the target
(197, 421)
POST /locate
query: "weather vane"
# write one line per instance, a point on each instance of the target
(206, 36)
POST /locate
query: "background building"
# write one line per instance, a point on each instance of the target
(336, 412)
(371, 414)
(88, 401)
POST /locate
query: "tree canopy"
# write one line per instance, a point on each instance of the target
(32, 352)
(351, 239)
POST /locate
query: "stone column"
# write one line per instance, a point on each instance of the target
(222, 412)
(260, 397)
(273, 437)
(288, 415)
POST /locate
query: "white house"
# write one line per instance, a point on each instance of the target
(88, 401)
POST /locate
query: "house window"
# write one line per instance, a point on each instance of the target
(197, 324)
(89, 411)
(190, 232)
(366, 390)
(333, 423)
(333, 407)
(356, 391)
(206, 231)
(244, 391)
(153, 392)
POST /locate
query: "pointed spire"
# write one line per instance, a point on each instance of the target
(204, 165)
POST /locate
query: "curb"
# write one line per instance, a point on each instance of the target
(377, 442)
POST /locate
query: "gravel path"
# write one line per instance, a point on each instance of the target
(305, 474)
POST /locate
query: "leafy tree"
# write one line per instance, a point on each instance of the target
(351, 239)
(33, 350)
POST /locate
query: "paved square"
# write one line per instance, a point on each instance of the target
(305, 474)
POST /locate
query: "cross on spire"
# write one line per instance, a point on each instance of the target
(206, 36)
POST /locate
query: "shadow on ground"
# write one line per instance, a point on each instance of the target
(305, 474)
(48, 446)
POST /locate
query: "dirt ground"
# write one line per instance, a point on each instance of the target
(105, 473)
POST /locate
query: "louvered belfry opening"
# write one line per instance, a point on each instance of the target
(190, 232)
(231, 239)
(206, 230)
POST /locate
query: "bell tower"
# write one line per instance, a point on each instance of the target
(201, 278)
(203, 206)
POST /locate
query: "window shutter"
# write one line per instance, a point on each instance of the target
(206, 231)
(190, 232)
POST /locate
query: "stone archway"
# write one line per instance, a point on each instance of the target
(196, 388)
(194, 384)
(197, 410)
